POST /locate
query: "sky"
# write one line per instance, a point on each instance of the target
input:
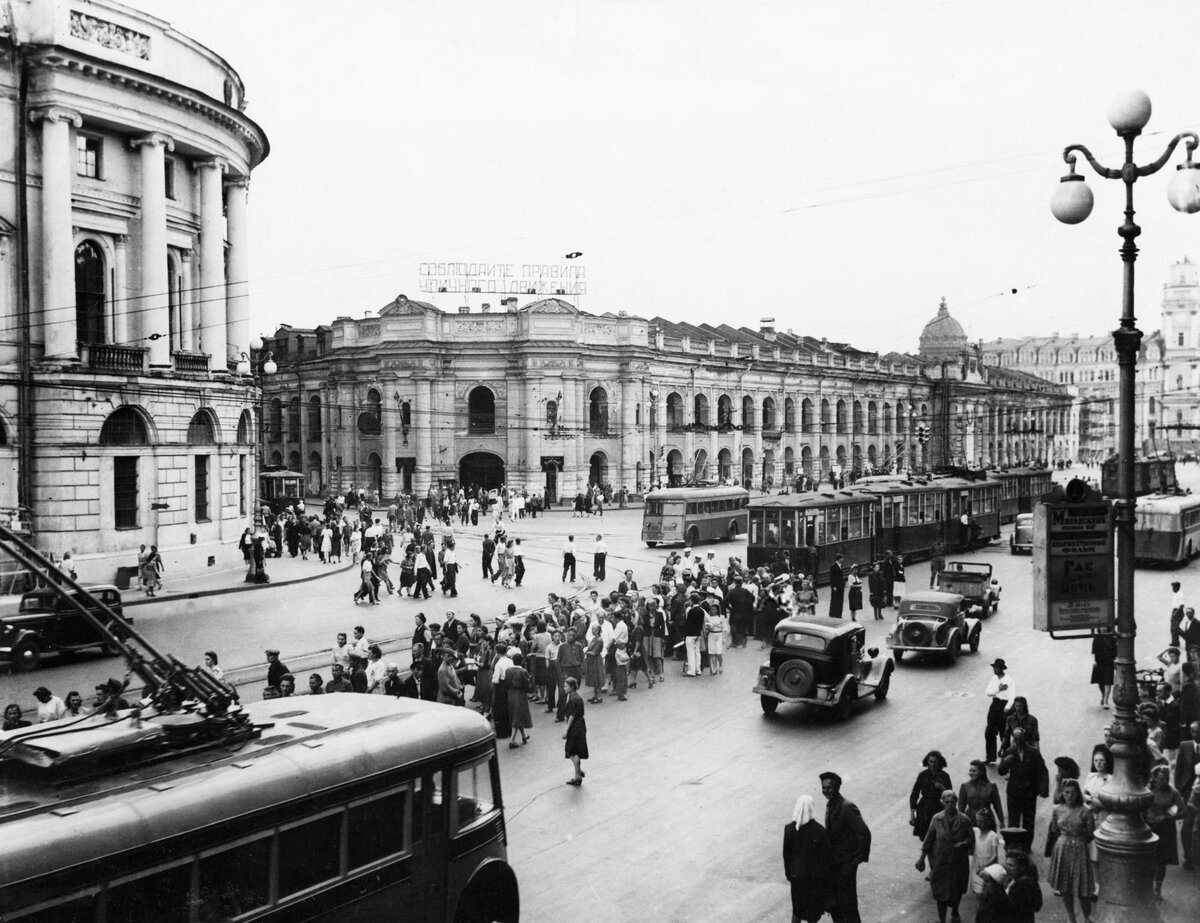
(840, 167)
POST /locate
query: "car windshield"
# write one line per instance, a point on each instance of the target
(802, 640)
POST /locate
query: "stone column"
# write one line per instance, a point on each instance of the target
(422, 434)
(58, 246)
(154, 301)
(121, 302)
(237, 304)
(211, 337)
(533, 414)
(625, 421)
(187, 320)
(581, 436)
(389, 423)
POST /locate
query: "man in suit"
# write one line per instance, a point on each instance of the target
(837, 586)
(1185, 781)
(850, 840)
(741, 611)
(1169, 717)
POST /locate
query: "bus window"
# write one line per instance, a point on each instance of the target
(473, 796)
(161, 895)
(833, 523)
(789, 530)
(376, 828)
(772, 527)
(810, 530)
(235, 881)
(691, 509)
(854, 522)
(309, 853)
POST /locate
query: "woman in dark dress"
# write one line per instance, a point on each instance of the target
(500, 667)
(979, 793)
(519, 684)
(806, 862)
(576, 731)
(594, 665)
(1104, 655)
(926, 797)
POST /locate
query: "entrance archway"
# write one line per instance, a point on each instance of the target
(598, 469)
(481, 469)
(375, 475)
(674, 468)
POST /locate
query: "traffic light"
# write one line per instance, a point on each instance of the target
(922, 434)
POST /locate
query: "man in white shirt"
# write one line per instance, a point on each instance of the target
(599, 558)
(376, 670)
(1001, 689)
(360, 647)
(341, 652)
(569, 558)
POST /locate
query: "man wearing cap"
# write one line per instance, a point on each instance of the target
(1001, 690)
(837, 586)
(276, 668)
(850, 841)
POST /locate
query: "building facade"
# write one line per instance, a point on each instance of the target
(1178, 415)
(124, 175)
(549, 398)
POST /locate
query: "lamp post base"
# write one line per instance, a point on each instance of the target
(1126, 873)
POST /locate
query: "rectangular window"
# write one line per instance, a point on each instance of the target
(376, 829)
(789, 530)
(235, 881)
(309, 853)
(162, 895)
(242, 464)
(473, 798)
(169, 177)
(125, 491)
(88, 153)
(201, 488)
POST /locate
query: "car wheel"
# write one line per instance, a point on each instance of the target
(768, 704)
(26, 655)
(995, 604)
(651, 544)
(794, 678)
(915, 634)
(975, 641)
(841, 711)
(881, 691)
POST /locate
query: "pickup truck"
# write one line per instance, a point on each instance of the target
(974, 583)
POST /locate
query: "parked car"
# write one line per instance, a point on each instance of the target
(821, 661)
(933, 621)
(1021, 540)
(974, 583)
(46, 622)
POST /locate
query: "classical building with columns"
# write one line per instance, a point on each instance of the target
(124, 173)
(544, 396)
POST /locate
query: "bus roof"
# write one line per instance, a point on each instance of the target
(696, 493)
(1167, 503)
(811, 500)
(311, 744)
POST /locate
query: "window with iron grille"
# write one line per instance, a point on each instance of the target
(201, 488)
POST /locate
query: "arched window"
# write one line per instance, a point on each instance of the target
(90, 277)
(858, 417)
(748, 413)
(826, 420)
(1152, 406)
(314, 417)
(1178, 382)
(700, 408)
(598, 412)
(174, 286)
(294, 420)
(245, 430)
(789, 416)
(201, 430)
(872, 418)
(481, 411)
(674, 411)
(724, 412)
(840, 424)
(1180, 343)
(806, 416)
(551, 414)
(124, 426)
(768, 413)
(369, 416)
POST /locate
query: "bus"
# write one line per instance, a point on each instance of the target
(691, 515)
(1021, 489)
(342, 807)
(1166, 528)
(279, 488)
(830, 521)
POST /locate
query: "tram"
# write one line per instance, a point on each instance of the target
(1152, 474)
(1166, 528)
(1020, 489)
(691, 515)
(280, 488)
(912, 515)
(828, 522)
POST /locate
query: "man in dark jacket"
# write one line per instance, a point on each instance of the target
(837, 586)
(693, 628)
(1028, 779)
(741, 611)
(419, 684)
(850, 840)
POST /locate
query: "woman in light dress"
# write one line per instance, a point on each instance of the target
(716, 630)
(1071, 829)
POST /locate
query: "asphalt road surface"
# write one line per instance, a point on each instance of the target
(689, 784)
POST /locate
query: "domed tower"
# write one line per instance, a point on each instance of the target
(943, 337)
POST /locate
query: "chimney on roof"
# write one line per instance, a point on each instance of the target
(510, 305)
(485, 307)
(464, 309)
(766, 327)
(368, 313)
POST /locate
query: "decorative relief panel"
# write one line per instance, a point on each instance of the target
(480, 327)
(462, 389)
(368, 330)
(552, 363)
(110, 35)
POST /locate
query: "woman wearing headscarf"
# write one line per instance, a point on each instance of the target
(925, 799)
(806, 862)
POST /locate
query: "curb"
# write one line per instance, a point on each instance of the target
(245, 588)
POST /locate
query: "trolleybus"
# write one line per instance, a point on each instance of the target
(690, 515)
(1167, 528)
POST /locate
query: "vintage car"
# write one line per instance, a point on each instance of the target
(933, 621)
(46, 622)
(1021, 540)
(821, 661)
(974, 583)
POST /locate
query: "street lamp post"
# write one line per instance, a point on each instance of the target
(260, 363)
(1125, 844)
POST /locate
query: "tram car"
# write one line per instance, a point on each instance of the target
(1154, 474)
(912, 515)
(1166, 528)
(1020, 489)
(829, 521)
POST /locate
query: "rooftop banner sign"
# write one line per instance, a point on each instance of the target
(505, 278)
